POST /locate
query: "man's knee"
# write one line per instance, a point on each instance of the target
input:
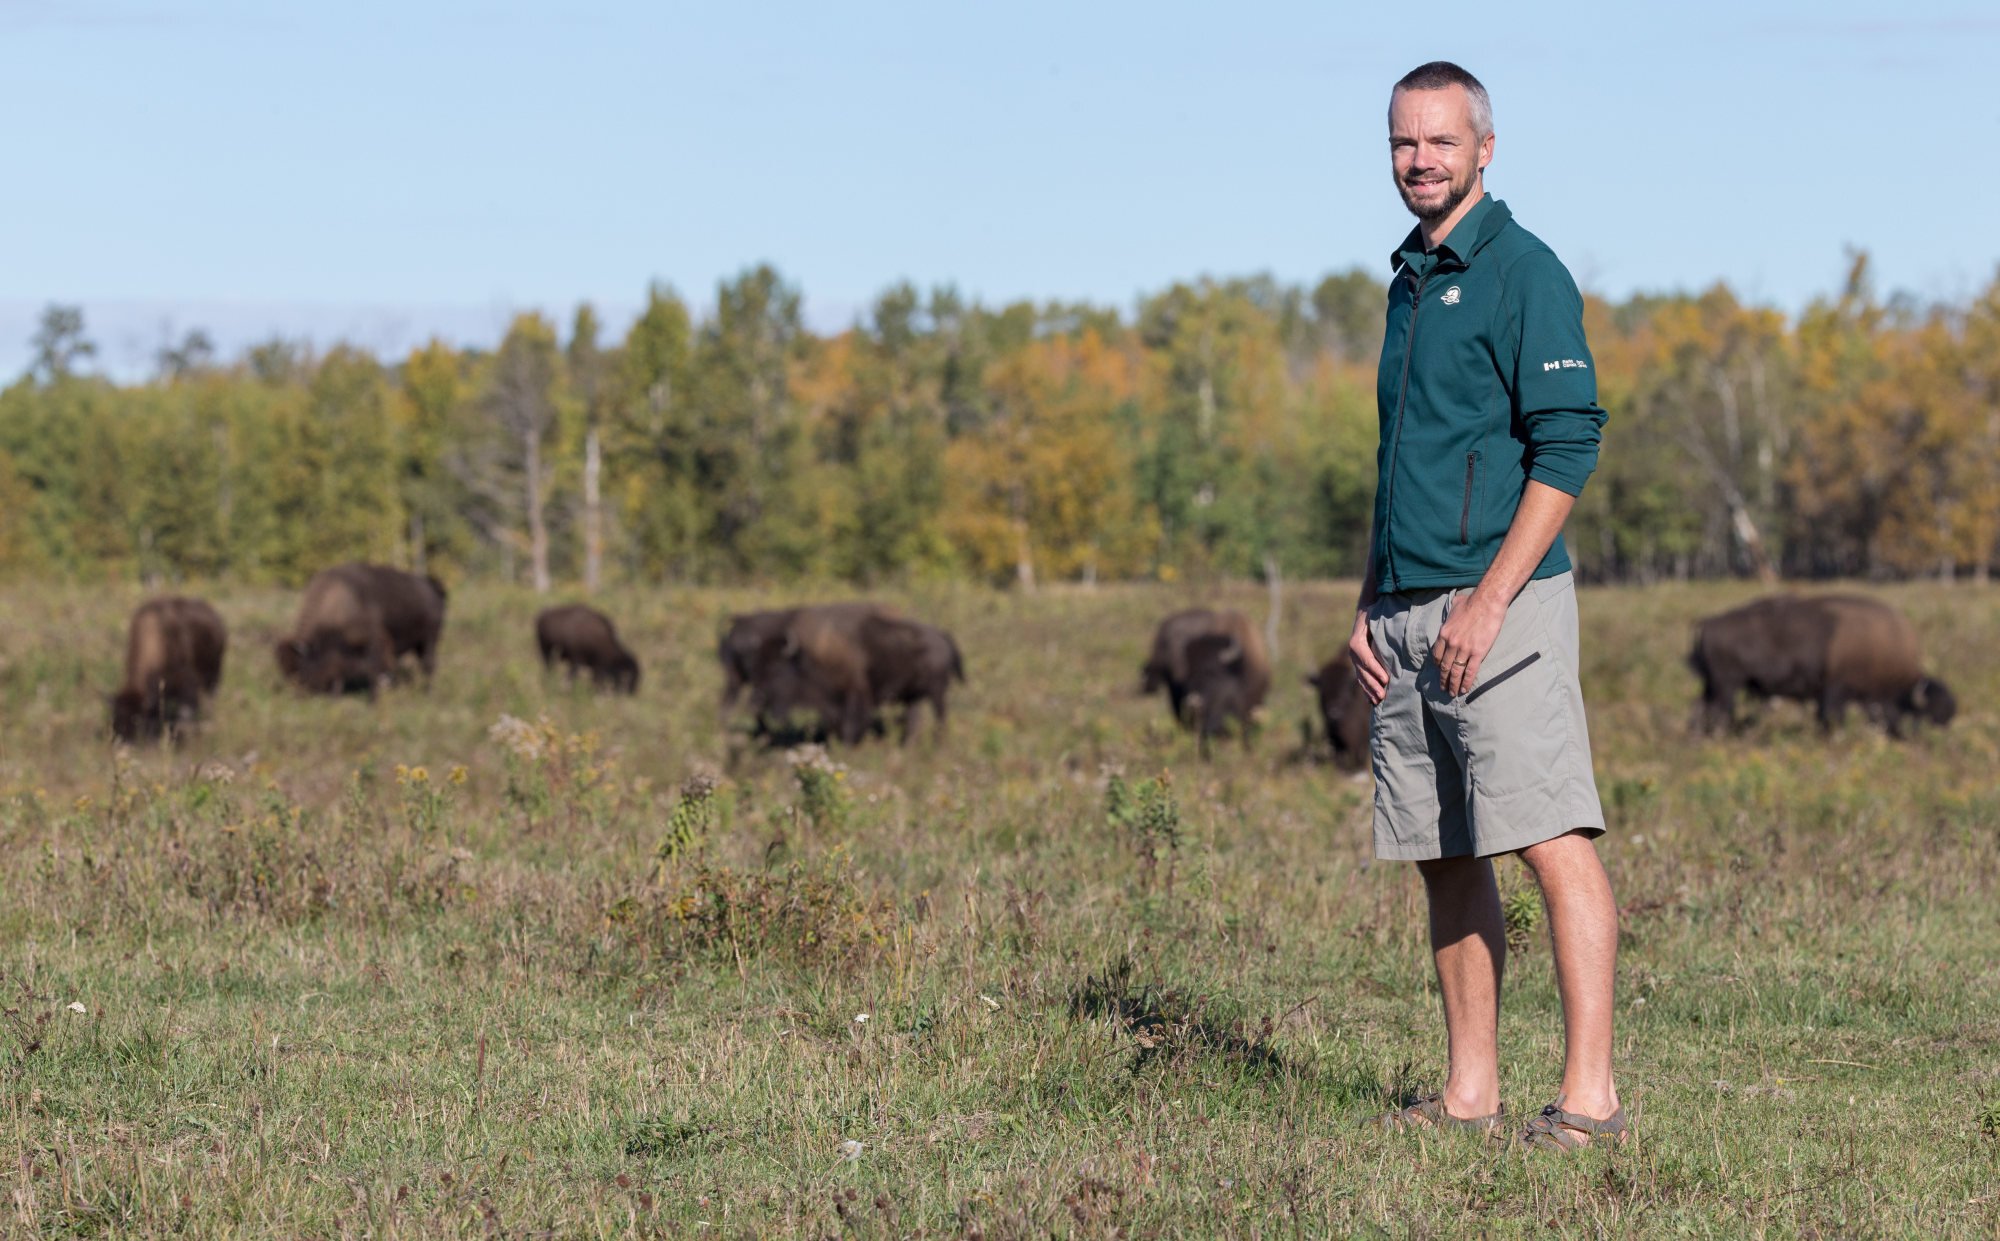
(1557, 850)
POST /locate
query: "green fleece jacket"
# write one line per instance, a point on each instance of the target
(1485, 383)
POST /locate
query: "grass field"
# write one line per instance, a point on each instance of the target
(340, 969)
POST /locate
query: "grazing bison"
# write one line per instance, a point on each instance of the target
(1829, 651)
(584, 639)
(355, 622)
(910, 663)
(825, 647)
(1226, 679)
(788, 706)
(749, 643)
(807, 659)
(413, 612)
(1344, 709)
(1876, 659)
(1166, 667)
(1235, 671)
(839, 663)
(173, 660)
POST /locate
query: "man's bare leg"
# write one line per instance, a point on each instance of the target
(1583, 927)
(1469, 944)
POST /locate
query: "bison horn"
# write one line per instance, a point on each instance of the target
(1920, 693)
(1233, 653)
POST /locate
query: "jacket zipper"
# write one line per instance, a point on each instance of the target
(1396, 444)
(1465, 513)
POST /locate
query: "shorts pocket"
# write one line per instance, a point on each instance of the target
(1488, 682)
(1516, 726)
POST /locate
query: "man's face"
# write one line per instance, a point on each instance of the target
(1436, 155)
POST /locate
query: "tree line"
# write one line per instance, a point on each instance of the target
(1225, 427)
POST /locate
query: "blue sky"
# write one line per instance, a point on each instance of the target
(383, 171)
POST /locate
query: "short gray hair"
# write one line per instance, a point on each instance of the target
(1439, 74)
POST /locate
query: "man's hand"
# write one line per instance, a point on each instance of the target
(1469, 631)
(1368, 670)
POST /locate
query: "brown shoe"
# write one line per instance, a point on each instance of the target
(1555, 1129)
(1428, 1113)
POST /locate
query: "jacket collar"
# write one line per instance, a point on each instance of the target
(1468, 237)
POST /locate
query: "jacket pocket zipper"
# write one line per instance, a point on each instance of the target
(1465, 513)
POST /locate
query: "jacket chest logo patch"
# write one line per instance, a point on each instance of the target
(1450, 297)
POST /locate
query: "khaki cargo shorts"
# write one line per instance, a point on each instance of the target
(1502, 767)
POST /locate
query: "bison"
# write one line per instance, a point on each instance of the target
(824, 642)
(1166, 667)
(1829, 651)
(583, 638)
(748, 644)
(838, 663)
(1344, 709)
(356, 621)
(789, 705)
(1212, 665)
(910, 663)
(173, 660)
(806, 659)
(1226, 679)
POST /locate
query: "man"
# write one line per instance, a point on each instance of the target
(1465, 638)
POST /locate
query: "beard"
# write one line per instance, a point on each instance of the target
(1455, 191)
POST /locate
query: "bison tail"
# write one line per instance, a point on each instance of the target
(957, 662)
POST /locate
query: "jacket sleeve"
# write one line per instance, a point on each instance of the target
(1554, 376)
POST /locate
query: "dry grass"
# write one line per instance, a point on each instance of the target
(382, 970)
